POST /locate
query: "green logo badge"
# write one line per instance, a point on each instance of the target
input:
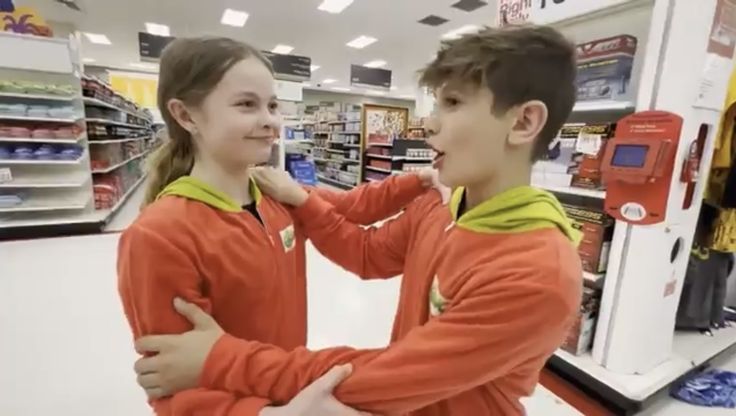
(287, 238)
(437, 302)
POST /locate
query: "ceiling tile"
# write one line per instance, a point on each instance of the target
(433, 20)
(469, 5)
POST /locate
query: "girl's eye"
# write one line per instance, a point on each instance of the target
(247, 104)
(451, 102)
(273, 106)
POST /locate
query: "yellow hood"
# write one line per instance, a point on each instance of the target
(517, 210)
(192, 188)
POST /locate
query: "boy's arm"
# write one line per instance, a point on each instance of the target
(369, 203)
(371, 253)
(488, 331)
(151, 273)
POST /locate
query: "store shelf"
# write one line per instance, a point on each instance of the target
(43, 162)
(321, 132)
(351, 146)
(99, 103)
(379, 169)
(74, 180)
(115, 123)
(123, 163)
(129, 139)
(107, 213)
(380, 144)
(340, 122)
(299, 141)
(570, 190)
(594, 278)
(335, 182)
(340, 151)
(346, 132)
(416, 159)
(40, 119)
(606, 105)
(343, 171)
(42, 97)
(39, 140)
(45, 204)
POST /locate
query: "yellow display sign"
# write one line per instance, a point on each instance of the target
(25, 20)
(139, 88)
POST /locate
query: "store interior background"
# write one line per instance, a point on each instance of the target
(66, 348)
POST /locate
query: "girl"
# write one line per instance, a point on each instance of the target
(208, 235)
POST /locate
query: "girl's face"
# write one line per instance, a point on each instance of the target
(239, 120)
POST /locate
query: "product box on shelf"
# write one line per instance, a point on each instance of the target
(580, 337)
(604, 68)
(553, 171)
(590, 145)
(597, 229)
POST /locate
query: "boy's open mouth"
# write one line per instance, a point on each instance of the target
(438, 158)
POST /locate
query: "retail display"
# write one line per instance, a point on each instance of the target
(337, 138)
(597, 229)
(604, 67)
(713, 388)
(580, 338)
(404, 155)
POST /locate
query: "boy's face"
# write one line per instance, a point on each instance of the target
(470, 139)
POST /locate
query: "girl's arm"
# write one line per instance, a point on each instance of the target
(151, 273)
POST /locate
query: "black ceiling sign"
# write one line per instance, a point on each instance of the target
(362, 76)
(290, 67)
(150, 46)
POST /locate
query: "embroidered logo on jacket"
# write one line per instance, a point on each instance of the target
(287, 238)
(437, 302)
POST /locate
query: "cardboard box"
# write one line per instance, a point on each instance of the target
(585, 163)
(580, 336)
(597, 229)
(604, 68)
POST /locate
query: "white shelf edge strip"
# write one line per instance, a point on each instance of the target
(38, 140)
(45, 97)
(125, 162)
(40, 119)
(100, 103)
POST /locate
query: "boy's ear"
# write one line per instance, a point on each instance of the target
(181, 114)
(530, 118)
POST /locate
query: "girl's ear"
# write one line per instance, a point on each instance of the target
(181, 114)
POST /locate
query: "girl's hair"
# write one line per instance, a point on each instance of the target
(189, 70)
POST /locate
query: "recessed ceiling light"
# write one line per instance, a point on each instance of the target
(158, 29)
(394, 88)
(144, 65)
(374, 92)
(314, 67)
(361, 42)
(306, 84)
(88, 60)
(97, 38)
(343, 89)
(376, 64)
(454, 34)
(407, 97)
(282, 49)
(334, 6)
(234, 18)
(329, 81)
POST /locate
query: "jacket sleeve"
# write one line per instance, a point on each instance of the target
(151, 273)
(485, 334)
(370, 203)
(372, 252)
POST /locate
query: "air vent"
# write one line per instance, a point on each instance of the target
(469, 5)
(433, 20)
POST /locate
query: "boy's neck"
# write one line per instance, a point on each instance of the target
(477, 193)
(236, 184)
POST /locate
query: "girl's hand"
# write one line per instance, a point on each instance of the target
(431, 179)
(317, 399)
(279, 185)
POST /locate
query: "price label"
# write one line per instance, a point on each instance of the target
(5, 175)
(589, 144)
(548, 11)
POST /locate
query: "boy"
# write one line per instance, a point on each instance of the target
(489, 286)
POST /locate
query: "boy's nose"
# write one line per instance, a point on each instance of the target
(432, 126)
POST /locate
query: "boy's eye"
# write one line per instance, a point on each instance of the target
(451, 101)
(273, 106)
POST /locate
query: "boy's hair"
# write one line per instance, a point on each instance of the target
(517, 64)
(190, 69)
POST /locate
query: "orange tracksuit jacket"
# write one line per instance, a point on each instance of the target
(250, 276)
(486, 298)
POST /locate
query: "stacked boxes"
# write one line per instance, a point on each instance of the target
(585, 164)
(597, 229)
(604, 68)
(580, 337)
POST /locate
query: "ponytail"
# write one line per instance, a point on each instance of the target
(173, 160)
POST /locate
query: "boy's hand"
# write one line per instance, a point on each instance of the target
(317, 399)
(180, 358)
(279, 185)
(430, 177)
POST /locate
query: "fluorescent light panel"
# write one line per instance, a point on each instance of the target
(456, 33)
(314, 67)
(376, 64)
(374, 92)
(234, 18)
(329, 81)
(88, 60)
(158, 29)
(334, 6)
(144, 65)
(282, 49)
(361, 42)
(343, 89)
(97, 38)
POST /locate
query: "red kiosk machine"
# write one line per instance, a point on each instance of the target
(638, 165)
